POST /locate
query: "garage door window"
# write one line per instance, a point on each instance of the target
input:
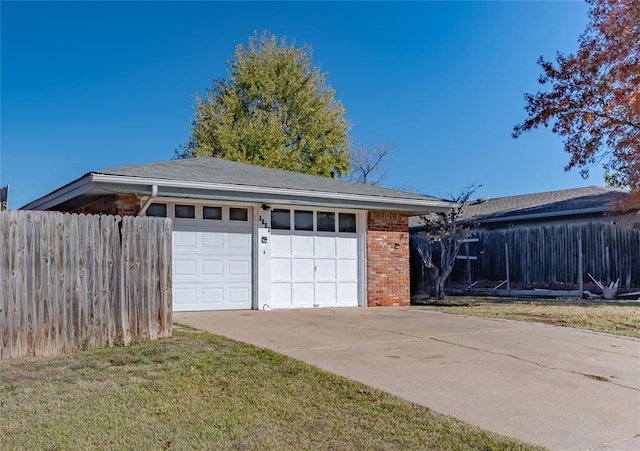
(238, 214)
(326, 221)
(303, 220)
(185, 211)
(157, 210)
(348, 222)
(212, 213)
(281, 219)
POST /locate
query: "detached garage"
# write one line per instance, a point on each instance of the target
(250, 237)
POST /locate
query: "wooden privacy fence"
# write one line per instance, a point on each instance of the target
(74, 281)
(549, 254)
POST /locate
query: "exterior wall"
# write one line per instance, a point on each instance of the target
(118, 204)
(387, 259)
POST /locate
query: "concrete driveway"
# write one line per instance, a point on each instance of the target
(556, 387)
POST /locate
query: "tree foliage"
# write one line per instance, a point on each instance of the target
(444, 233)
(368, 163)
(275, 109)
(592, 98)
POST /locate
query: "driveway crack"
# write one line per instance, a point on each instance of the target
(532, 362)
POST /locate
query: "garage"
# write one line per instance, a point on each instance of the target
(314, 258)
(211, 256)
(247, 236)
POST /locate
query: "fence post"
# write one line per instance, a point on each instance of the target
(580, 268)
(506, 255)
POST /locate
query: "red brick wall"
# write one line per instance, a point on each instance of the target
(387, 267)
(117, 204)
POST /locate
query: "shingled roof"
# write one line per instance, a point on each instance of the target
(569, 202)
(216, 170)
(214, 178)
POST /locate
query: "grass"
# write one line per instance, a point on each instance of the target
(201, 391)
(617, 318)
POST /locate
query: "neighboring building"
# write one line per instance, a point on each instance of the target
(589, 204)
(541, 233)
(250, 237)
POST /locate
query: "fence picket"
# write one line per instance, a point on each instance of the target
(549, 254)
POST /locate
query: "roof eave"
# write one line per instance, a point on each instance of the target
(62, 194)
(549, 214)
(181, 188)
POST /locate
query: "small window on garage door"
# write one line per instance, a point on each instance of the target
(213, 213)
(157, 210)
(281, 219)
(347, 222)
(326, 221)
(303, 220)
(185, 211)
(238, 214)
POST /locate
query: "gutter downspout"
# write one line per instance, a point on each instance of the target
(154, 193)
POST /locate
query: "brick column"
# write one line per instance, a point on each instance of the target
(387, 259)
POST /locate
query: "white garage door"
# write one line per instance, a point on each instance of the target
(211, 266)
(316, 266)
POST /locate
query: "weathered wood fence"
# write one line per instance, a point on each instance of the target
(540, 255)
(72, 281)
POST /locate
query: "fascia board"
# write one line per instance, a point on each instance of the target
(511, 218)
(69, 191)
(384, 202)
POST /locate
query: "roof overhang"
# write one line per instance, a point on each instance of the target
(94, 185)
(525, 217)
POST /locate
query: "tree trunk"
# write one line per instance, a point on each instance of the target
(437, 282)
(440, 289)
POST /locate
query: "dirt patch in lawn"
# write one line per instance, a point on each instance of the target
(613, 317)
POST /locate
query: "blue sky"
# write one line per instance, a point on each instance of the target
(93, 85)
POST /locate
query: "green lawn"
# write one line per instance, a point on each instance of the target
(613, 317)
(201, 391)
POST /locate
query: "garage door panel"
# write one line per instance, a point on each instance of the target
(304, 294)
(239, 242)
(185, 240)
(281, 268)
(326, 269)
(213, 296)
(325, 246)
(347, 247)
(281, 294)
(347, 270)
(240, 295)
(239, 268)
(347, 292)
(212, 268)
(280, 245)
(184, 296)
(212, 240)
(185, 267)
(303, 245)
(326, 293)
(303, 269)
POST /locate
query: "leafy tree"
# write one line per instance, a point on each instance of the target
(275, 109)
(368, 163)
(592, 98)
(444, 234)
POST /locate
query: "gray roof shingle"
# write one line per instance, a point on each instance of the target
(215, 170)
(562, 202)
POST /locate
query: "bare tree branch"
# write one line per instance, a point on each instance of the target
(368, 163)
(444, 233)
